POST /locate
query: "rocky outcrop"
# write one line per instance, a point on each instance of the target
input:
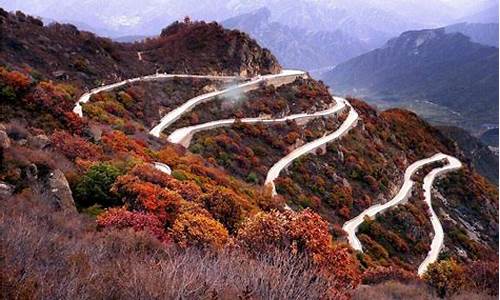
(4, 138)
(39, 141)
(207, 48)
(482, 159)
(57, 191)
(6, 190)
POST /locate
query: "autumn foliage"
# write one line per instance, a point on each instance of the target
(75, 147)
(199, 230)
(122, 218)
(446, 276)
(12, 84)
(148, 197)
(304, 233)
(118, 143)
(225, 206)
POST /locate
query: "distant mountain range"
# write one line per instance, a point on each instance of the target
(439, 70)
(488, 14)
(296, 47)
(308, 34)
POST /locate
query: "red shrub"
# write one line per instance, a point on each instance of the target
(483, 276)
(225, 206)
(122, 218)
(52, 98)
(381, 274)
(117, 142)
(73, 146)
(16, 80)
(187, 189)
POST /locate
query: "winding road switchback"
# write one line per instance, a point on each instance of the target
(404, 193)
(286, 76)
(184, 135)
(347, 125)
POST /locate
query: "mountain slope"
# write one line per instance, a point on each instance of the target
(481, 157)
(427, 66)
(296, 47)
(490, 137)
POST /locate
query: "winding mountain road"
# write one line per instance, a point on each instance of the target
(160, 76)
(184, 135)
(348, 124)
(286, 76)
(437, 241)
(404, 193)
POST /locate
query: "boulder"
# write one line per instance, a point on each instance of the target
(58, 191)
(40, 141)
(4, 140)
(31, 172)
(95, 132)
(6, 190)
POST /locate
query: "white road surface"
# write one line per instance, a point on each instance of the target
(404, 193)
(162, 167)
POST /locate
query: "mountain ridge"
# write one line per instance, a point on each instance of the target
(426, 65)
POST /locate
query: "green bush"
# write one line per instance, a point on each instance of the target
(252, 178)
(94, 187)
(8, 93)
(179, 175)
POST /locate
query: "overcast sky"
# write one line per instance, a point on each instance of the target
(146, 17)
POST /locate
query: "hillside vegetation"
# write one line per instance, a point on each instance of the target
(86, 214)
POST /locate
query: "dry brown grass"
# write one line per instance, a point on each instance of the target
(392, 290)
(56, 255)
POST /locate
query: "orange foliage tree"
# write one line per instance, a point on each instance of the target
(304, 233)
(117, 142)
(12, 83)
(148, 197)
(200, 230)
(446, 276)
(225, 206)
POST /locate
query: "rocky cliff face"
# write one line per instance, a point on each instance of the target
(26, 164)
